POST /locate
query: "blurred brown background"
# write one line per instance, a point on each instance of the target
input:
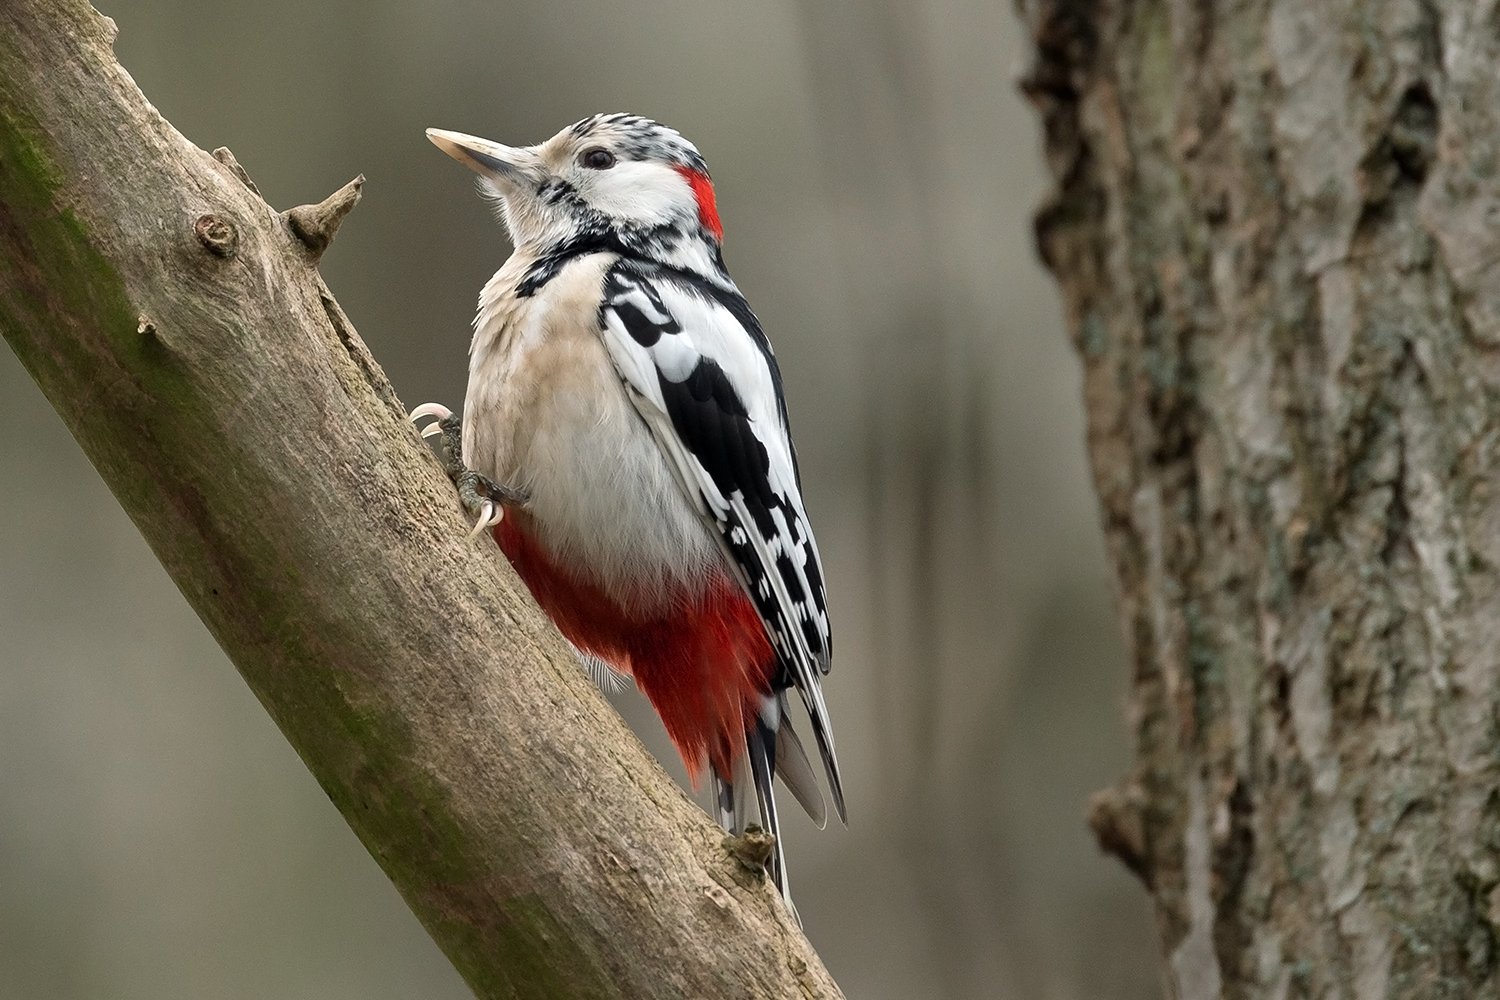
(876, 170)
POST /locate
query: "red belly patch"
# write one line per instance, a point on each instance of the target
(704, 661)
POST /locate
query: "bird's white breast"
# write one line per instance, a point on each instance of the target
(546, 412)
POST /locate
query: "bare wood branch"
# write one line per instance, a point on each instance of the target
(179, 327)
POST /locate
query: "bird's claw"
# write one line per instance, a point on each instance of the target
(436, 410)
(490, 514)
(450, 426)
(480, 495)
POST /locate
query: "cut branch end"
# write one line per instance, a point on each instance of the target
(224, 156)
(752, 849)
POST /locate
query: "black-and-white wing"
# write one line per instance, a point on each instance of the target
(700, 372)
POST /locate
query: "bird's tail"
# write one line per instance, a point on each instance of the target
(760, 744)
(770, 753)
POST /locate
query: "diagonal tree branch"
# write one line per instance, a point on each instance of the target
(179, 326)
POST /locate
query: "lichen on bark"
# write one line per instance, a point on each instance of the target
(1275, 229)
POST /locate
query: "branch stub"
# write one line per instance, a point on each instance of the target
(316, 225)
(224, 156)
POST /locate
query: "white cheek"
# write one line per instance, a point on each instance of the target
(644, 193)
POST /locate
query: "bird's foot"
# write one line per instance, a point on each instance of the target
(481, 496)
(486, 499)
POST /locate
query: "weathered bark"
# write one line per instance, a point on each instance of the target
(1275, 228)
(180, 327)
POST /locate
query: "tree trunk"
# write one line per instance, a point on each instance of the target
(1275, 227)
(179, 326)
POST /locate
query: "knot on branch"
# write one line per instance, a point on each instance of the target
(217, 235)
(1115, 816)
(316, 225)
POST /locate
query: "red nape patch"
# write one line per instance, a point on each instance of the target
(704, 664)
(708, 209)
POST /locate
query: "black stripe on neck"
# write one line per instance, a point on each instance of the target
(634, 247)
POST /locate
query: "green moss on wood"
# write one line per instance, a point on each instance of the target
(61, 274)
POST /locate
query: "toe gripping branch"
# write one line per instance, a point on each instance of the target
(481, 496)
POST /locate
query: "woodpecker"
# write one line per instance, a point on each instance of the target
(625, 439)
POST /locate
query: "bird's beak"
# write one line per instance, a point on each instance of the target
(507, 166)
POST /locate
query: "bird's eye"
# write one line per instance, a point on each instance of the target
(597, 158)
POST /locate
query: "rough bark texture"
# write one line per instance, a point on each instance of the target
(179, 326)
(1277, 231)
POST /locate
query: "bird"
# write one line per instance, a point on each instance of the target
(625, 439)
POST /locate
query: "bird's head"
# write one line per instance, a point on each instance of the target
(631, 179)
